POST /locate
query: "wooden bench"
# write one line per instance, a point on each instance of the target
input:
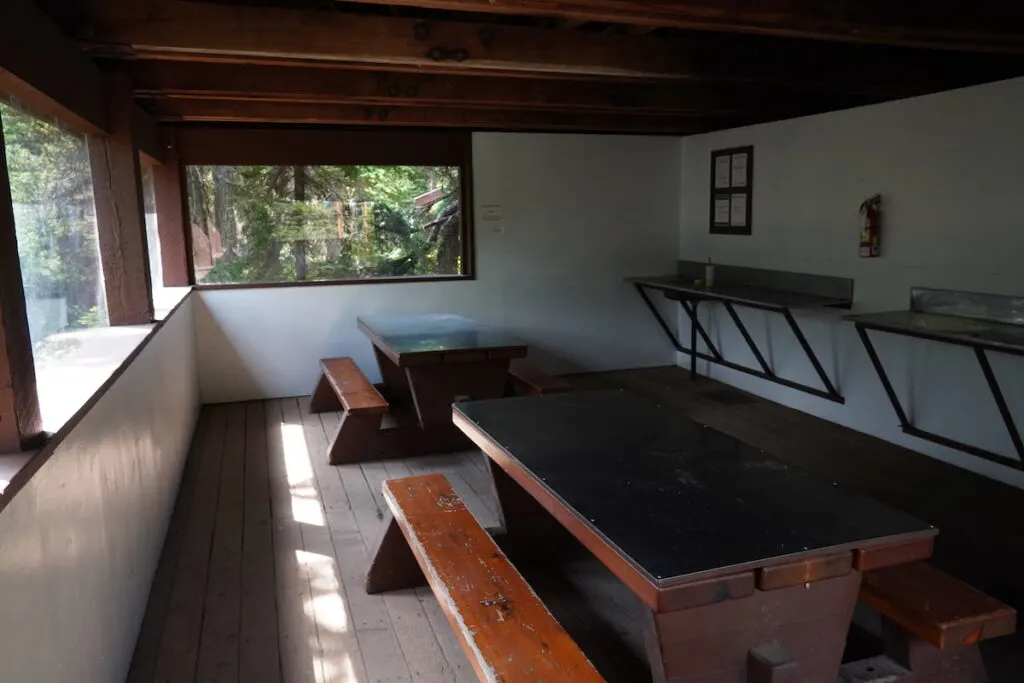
(343, 386)
(525, 379)
(932, 622)
(506, 631)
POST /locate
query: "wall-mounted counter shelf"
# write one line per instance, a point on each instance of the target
(775, 291)
(982, 322)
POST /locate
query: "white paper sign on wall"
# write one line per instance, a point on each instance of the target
(493, 217)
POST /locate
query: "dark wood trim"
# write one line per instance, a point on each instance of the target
(886, 555)
(171, 215)
(335, 283)
(805, 572)
(19, 480)
(468, 224)
(236, 145)
(120, 210)
(146, 136)
(186, 216)
(707, 592)
(20, 421)
(47, 72)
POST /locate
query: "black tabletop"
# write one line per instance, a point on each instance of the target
(955, 329)
(680, 500)
(408, 335)
(738, 293)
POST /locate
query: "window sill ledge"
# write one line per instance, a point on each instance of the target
(337, 283)
(69, 388)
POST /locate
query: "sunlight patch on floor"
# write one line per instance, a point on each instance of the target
(327, 609)
(306, 506)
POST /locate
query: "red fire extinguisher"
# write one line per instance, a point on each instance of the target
(871, 230)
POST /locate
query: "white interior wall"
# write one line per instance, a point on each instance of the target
(948, 167)
(580, 213)
(80, 542)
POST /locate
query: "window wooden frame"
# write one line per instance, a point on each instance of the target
(728, 192)
(209, 145)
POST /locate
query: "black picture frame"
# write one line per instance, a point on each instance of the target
(729, 194)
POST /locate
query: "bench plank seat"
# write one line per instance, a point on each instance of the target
(506, 631)
(343, 385)
(934, 606)
(528, 379)
(932, 623)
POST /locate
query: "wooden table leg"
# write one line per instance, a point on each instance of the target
(435, 387)
(528, 531)
(396, 384)
(714, 643)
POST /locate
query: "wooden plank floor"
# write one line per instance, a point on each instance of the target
(261, 577)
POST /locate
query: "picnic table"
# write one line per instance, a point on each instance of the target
(427, 362)
(739, 559)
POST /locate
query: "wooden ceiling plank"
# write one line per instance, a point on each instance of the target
(162, 79)
(194, 28)
(864, 22)
(216, 111)
(195, 31)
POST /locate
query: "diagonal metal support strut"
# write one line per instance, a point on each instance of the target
(909, 428)
(714, 354)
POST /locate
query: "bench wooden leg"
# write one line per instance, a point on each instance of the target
(357, 439)
(323, 398)
(929, 664)
(392, 564)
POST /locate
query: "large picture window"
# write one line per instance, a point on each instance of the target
(294, 223)
(55, 225)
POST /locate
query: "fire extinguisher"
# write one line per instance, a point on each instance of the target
(871, 228)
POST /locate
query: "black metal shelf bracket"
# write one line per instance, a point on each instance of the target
(909, 428)
(714, 355)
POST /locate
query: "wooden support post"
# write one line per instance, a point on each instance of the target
(172, 222)
(120, 212)
(20, 423)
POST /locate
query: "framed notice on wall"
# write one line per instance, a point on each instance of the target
(732, 190)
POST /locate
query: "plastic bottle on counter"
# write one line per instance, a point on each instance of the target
(709, 274)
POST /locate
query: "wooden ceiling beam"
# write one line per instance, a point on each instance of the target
(220, 111)
(988, 27)
(46, 71)
(196, 31)
(164, 79)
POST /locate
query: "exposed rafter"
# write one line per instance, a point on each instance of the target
(234, 111)
(937, 24)
(164, 79)
(198, 31)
